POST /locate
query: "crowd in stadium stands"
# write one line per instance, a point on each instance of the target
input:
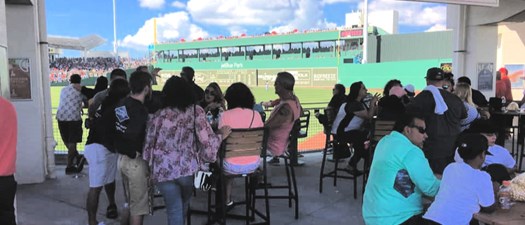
(61, 68)
(294, 31)
(167, 56)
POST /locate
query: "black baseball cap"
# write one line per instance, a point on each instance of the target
(435, 73)
(482, 126)
(471, 145)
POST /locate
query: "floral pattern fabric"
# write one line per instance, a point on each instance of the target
(171, 144)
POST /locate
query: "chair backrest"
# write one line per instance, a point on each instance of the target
(304, 122)
(381, 129)
(245, 142)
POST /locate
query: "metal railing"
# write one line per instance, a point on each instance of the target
(313, 142)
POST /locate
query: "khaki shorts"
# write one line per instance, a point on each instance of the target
(135, 180)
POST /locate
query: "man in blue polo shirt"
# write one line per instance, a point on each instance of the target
(400, 175)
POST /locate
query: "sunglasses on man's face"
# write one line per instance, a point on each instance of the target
(421, 130)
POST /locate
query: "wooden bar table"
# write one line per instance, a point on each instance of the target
(513, 216)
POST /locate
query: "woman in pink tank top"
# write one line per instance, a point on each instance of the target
(239, 115)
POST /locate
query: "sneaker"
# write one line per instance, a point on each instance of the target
(274, 161)
(354, 171)
(71, 170)
(112, 212)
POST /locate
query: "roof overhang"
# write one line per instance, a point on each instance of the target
(82, 44)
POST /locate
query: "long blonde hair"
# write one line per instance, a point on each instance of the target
(464, 92)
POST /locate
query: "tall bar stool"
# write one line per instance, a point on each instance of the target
(331, 142)
(301, 127)
(380, 129)
(241, 142)
(291, 182)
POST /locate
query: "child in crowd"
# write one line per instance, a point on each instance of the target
(464, 187)
(499, 155)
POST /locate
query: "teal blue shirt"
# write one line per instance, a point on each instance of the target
(399, 177)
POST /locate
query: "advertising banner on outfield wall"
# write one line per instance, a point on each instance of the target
(304, 77)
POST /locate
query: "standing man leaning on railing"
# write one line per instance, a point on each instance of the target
(70, 122)
(8, 123)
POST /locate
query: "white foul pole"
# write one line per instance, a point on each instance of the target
(365, 33)
(115, 51)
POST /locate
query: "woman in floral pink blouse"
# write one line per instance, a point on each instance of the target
(178, 141)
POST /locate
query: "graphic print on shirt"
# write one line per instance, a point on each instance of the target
(121, 113)
(403, 184)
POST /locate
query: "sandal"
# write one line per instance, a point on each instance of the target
(111, 212)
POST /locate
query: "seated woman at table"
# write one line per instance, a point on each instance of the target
(464, 187)
(464, 92)
(349, 123)
(213, 99)
(239, 115)
(499, 155)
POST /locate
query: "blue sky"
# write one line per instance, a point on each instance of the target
(190, 19)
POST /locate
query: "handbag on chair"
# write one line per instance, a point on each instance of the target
(202, 179)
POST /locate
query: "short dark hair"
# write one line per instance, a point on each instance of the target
(75, 79)
(178, 93)
(464, 79)
(118, 73)
(239, 95)
(187, 73)
(340, 89)
(140, 68)
(286, 80)
(407, 119)
(138, 81)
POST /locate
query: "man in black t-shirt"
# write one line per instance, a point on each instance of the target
(100, 153)
(443, 114)
(130, 130)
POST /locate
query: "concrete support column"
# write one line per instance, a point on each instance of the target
(23, 42)
(4, 79)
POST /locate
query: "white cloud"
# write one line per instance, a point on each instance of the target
(170, 27)
(151, 4)
(178, 4)
(329, 2)
(237, 30)
(412, 13)
(437, 27)
(278, 15)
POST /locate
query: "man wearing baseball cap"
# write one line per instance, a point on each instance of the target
(443, 112)
(464, 187)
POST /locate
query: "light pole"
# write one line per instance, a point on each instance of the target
(365, 33)
(115, 51)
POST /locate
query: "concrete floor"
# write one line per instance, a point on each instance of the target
(61, 201)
